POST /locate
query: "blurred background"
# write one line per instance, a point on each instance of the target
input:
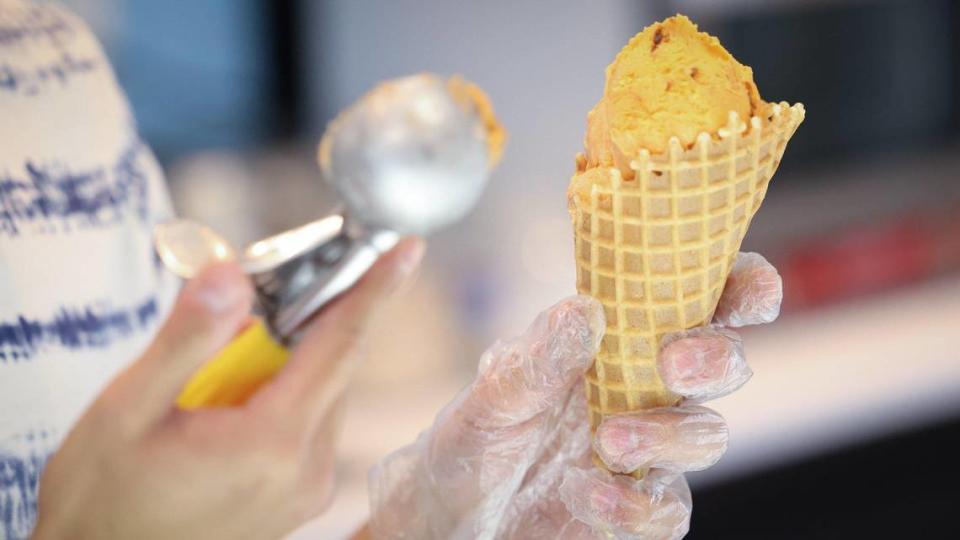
(850, 425)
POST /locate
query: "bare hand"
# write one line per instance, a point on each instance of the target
(134, 466)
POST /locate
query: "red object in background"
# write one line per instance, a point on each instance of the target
(871, 257)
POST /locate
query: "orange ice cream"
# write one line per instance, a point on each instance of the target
(670, 80)
(472, 95)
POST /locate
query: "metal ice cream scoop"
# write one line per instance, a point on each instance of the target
(410, 157)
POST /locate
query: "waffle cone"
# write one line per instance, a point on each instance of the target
(656, 249)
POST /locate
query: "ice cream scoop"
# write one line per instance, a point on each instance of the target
(411, 156)
(414, 154)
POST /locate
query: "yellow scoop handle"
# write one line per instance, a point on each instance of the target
(237, 372)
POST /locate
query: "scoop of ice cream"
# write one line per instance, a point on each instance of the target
(670, 80)
(472, 95)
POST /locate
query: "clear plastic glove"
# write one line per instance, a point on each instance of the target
(510, 457)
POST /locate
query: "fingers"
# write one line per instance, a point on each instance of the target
(703, 363)
(320, 365)
(523, 377)
(675, 439)
(535, 510)
(752, 294)
(210, 310)
(654, 508)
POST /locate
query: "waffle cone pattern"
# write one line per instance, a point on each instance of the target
(656, 249)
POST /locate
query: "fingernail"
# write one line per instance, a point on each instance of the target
(411, 256)
(604, 500)
(627, 444)
(219, 290)
(681, 360)
(596, 321)
(575, 329)
(694, 360)
(704, 366)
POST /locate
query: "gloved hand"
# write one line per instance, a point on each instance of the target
(510, 457)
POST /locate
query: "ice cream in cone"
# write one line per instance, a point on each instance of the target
(679, 153)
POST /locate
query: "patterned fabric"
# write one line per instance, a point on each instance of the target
(81, 292)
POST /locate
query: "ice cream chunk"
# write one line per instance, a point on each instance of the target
(472, 95)
(670, 80)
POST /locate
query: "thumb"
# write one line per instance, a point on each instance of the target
(526, 376)
(494, 422)
(209, 312)
(483, 443)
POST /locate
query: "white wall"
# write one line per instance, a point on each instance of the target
(542, 62)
